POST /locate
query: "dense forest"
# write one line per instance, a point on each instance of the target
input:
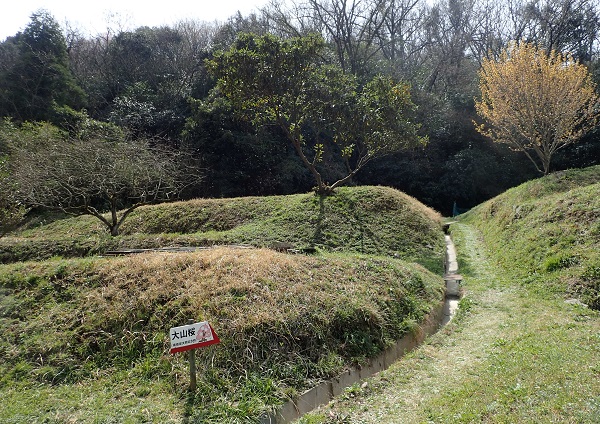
(154, 86)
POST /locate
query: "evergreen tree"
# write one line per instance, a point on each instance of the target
(37, 82)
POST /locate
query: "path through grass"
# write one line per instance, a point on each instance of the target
(513, 354)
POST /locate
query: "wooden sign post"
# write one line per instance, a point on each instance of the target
(190, 337)
(192, 359)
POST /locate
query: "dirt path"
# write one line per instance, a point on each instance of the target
(398, 395)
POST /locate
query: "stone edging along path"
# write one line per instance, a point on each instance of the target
(439, 316)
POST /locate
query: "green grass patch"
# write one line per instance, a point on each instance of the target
(540, 361)
(547, 232)
(369, 220)
(513, 354)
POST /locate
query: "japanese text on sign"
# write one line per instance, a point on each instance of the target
(192, 336)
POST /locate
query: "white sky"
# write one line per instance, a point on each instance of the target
(95, 16)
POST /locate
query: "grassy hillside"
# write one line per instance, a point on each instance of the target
(85, 339)
(548, 231)
(516, 352)
(372, 220)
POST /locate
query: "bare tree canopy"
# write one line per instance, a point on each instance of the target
(92, 176)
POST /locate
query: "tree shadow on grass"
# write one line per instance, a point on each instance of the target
(318, 235)
(364, 236)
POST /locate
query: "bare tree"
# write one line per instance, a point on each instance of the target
(351, 27)
(89, 177)
(562, 25)
(290, 19)
(490, 29)
(399, 36)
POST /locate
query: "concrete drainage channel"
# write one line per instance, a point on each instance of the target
(441, 315)
(453, 281)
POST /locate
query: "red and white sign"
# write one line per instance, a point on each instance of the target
(192, 336)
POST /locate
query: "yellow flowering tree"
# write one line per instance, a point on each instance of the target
(536, 102)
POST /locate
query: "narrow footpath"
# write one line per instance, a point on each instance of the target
(493, 316)
(398, 394)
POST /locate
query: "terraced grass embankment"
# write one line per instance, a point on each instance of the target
(85, 339)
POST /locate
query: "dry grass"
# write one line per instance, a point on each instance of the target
(284, 320)
(247, 291)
